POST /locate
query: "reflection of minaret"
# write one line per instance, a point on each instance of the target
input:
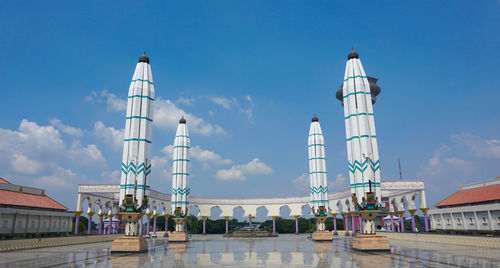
(136, 161)
(358, 94)
(317, 166)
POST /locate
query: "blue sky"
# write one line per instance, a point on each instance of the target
(249, 75)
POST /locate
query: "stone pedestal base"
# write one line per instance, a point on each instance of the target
(322, 236)
(178, 237)
(370, 242)
(129, 244)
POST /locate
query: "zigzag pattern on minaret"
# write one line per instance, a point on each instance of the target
(181, 191)
(135, 170)
(318, 190)
(362, 166)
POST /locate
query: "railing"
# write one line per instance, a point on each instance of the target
(20, 244)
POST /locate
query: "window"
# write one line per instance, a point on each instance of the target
(471, 221)
(485, 222)
(498, 219)
(459, 221)
(439, 221)
(5, 223)
(448, 221)
(32, 224)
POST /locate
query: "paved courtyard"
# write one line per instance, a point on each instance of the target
(287, 250)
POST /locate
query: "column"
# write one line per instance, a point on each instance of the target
(296, 224)
(360, 225)
(274, 224)
(426, 219)
(334, 216)
(154, 224)
(166, 222)
(89, 228)
(392, 221)
(346, 222)
(100, 223)
(110, 225)
(353, 224)
(77, 220)
(204, 224)
(412, 213)
(401, 221)
(227, 224)
(147, 225)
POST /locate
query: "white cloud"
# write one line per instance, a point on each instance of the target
(168, 150)
(31, 139)
(442, 163)
(52, 181)
(185, 101)
(111, 176)
(22, 164)
(113, 103)
(110, 135)
(36, 150)
(167, 116)
(31, 136)
(72, 131)
(338, 184)
(232, 174)
(59, 179)
(227, 104)
(161, 167)
(223, 101)
(89, 155)
(256, 167)
(238, 172)
(198, 153)
(488, 148)
(460, 164)
(166, 113)
(301, 182)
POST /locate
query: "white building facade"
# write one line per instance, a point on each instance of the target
(475, 208)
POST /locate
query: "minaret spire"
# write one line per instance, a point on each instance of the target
(180, 173)
(136, 160)
(317, 166)
(356, 94)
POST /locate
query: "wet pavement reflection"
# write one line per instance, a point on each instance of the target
(285, 250)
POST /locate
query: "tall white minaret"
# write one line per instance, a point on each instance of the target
(180, 174)
(136, 161)
(317, 166)
(357, 94)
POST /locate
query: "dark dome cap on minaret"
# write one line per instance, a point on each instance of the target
(182, 120)
(144, 58)
(352, 55)
(315, 119)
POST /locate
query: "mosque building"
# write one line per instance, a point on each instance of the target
(474, 208)
(27, 210)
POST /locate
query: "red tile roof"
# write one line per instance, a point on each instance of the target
(4, 181)
(28, 200)
(487, 193)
